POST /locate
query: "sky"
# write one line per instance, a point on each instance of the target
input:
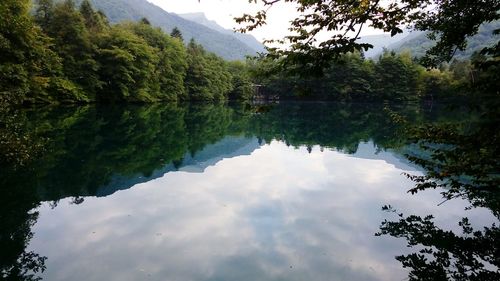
(224, 11)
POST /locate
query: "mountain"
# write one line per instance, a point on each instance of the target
(226, 148)
(393, 157)
(210, 155)
(221, 43)
(380, 42)
(247, 39)
(418, 43)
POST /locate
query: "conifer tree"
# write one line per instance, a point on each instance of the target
(176, 33)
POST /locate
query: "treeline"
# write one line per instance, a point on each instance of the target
(58, 52)
(89, 145)
(392, 77)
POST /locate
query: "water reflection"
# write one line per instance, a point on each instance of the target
(461, 162)
(213, 192)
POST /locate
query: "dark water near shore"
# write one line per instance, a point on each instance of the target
(216, 192)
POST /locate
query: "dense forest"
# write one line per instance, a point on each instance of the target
(58, 52)
(391, 77)
(68, 54)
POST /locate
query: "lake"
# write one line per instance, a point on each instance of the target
(290, 191)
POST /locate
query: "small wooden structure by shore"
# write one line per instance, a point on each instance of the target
(260, 94)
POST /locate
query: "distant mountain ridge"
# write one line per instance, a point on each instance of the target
(245, 38)
(379, 42)
(226, 148)
(223, 44)
(417, 43)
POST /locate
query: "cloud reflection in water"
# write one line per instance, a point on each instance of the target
(279, 213)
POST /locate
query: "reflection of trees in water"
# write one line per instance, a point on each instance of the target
(444, 255)
(86, 147)
(17, 201)
(462, 163)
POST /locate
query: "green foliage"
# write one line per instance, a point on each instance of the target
(79, 57)
(176, 33)
(94, 21)
(396, 77)
(171, 65)
(225, 45)
(43, 13)
(26, 64)
(421, 44)
(72, 43)
(128, 65)
(351, 78)
(207, 75)
(393, 77)
(438, 84)
(243, 88)
(449, 22)
(73, 55)
(461, 161)
(445, 255)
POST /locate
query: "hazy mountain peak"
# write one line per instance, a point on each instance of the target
(194, 15)
(379, 42)
(202, 19)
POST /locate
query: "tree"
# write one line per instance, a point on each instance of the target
(72, 43)
(461, 161)
(449, 22)
(351, 78)
(43, 13)
(18, 217)
(242, 83)
(128, 65)
(94, 21)
(176, 33)
(145, 21)
(443, 254)
(396, 77)
(27, 65)
(207, 77)
(170, 68)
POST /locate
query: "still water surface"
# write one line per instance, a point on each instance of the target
(208, 192)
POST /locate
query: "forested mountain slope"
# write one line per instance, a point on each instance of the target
(224, 45)
(419, 44)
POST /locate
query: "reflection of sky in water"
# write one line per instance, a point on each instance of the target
(277, 214)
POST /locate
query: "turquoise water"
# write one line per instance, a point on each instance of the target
(215, 192)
